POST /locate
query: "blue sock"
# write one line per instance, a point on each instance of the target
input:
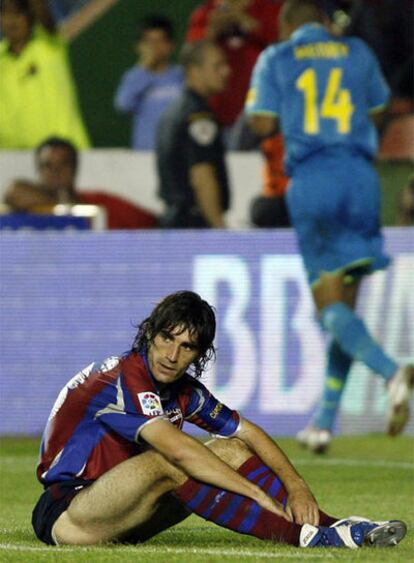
(337, 370)
(352, 336)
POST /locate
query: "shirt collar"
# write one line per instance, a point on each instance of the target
(146, 362)
(309, 30)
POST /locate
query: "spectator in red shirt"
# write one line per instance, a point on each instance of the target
(243, 28)
(56, 162)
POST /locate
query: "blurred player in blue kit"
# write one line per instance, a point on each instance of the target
(116, 465)
(325, 93)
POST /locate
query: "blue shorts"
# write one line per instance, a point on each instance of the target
(54, 500)
(334, 205)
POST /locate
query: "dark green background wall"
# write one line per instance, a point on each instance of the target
(101, 54)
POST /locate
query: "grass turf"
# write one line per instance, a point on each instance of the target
(364, 475)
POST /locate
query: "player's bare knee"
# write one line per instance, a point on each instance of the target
(329, 289)
(233, 451)
(165, 474)
(66, 531)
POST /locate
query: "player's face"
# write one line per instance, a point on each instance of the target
(156, 45)
(56, 171)
(214, 70)
(171, 353)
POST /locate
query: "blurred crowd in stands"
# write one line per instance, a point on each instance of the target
(39, 99)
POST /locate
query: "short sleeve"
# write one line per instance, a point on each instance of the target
(378, 89)
(202, 133)
(128, 405)
(207, 412)
(263, 95)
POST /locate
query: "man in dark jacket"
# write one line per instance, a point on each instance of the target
(190, 153)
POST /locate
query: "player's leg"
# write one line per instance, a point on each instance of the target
(239, 456)
(338, 367)
(233, 452)
(129, 496)
(244, 516)
(169, 512)
(318, 435)
(353, 337)
(121, 500)
(347, 328)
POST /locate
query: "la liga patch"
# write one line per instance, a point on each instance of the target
(150, 403)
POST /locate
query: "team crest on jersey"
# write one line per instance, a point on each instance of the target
(150, 403)
(203, 131)
(174, 415)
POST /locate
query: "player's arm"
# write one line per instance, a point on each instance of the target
(263, 98)
(225, 18)
(200, 463)
(206, 189)
(131, 89)
(378, 91)
(263, 125)
(301, 501)
(23, 195)
(378, 118)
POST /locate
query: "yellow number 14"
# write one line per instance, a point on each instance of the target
(336, 103)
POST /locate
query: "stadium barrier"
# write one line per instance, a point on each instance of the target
(132, 175)
(73, 297)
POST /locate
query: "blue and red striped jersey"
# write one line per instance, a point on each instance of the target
(97, 418)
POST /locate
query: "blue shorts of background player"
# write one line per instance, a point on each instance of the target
(339, 234)
(338, 226)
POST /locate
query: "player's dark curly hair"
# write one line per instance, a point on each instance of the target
(187, 310)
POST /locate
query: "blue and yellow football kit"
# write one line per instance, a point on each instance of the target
(322, 90)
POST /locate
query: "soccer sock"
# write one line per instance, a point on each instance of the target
(352, 336)
(241, 514)
(338, 366)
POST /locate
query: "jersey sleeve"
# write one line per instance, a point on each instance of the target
(378, 91)
(129, 406)
(207, 412)
(263, 95)
(134, 83)
(202, 133)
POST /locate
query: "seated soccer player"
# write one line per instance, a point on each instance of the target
(117, 467)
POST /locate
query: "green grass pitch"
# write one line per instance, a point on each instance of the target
(361, 475)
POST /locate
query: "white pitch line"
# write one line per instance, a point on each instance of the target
(171, 550)
(29, 461)
(355, 462)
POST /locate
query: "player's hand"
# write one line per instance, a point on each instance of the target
(303, 507)
(147, 56)
(273, 506)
